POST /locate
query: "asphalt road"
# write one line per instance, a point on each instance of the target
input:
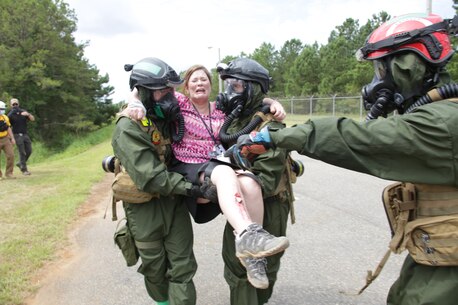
(340, 233)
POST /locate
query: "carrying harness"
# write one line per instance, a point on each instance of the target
(424, 220)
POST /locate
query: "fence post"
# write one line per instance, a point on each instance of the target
(311, 106)
(292, 105)
(334, 105)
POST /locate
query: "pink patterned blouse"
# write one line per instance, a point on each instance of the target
(197, 142)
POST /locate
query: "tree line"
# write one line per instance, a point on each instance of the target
(43, 66)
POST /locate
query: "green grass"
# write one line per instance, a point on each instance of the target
(36, 210)
(292, 119)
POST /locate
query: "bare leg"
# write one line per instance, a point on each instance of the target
(252, 193)
(230, 197)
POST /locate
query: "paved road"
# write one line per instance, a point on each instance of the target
(341, 232)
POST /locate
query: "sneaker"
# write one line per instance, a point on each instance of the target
(256, 271)
(26, 173)
(257, 242)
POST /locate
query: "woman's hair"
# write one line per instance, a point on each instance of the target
(193, 69)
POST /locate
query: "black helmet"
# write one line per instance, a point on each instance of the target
(246, 69)
(152, 73)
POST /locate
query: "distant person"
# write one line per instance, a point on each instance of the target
(19, 118)
(6, 142)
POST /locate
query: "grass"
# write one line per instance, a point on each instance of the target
(292, 119)
(36, 211)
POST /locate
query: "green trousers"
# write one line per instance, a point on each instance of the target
(165, 233)
(424, 285)
(241, 291)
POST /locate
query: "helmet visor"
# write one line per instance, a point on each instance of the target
(380, 68)
(233, 85)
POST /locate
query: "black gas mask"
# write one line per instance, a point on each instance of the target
(165, 109)
(379, 97)
(235, 95)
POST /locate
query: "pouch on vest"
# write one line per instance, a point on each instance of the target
(433, 241)
(124, 188)
(424, 219)
(124, 240)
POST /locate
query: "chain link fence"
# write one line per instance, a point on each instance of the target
(348, 106)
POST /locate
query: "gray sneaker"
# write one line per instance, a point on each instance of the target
(257, 242)
(256, 271)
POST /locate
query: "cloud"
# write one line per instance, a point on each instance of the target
(181, 31)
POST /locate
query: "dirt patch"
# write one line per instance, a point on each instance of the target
(94, 205)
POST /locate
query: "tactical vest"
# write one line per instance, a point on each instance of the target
(123, 188)
(284, 187)
(424, 220)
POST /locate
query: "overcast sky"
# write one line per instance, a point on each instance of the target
(180, 32)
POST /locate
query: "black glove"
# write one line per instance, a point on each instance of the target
(195, 192)
(209, 190)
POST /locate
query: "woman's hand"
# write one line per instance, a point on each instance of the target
(135, 109)
(275, 108)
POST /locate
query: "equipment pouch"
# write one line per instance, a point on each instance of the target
(124, 240)
(125, 189)
(433, 241)
(399, 201)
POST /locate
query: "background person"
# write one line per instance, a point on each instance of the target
(19, 119)
(410, 54)
(7, 142)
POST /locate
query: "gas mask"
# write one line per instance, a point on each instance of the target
(235, 95)
(166, 108)
(379, 97)
(398, 81)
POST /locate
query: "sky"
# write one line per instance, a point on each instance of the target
(187, 32)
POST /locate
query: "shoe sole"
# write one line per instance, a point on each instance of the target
(279, 248)
(255, 283)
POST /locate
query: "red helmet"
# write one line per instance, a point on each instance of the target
(426, 35)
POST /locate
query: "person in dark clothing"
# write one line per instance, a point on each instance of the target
(19, 118)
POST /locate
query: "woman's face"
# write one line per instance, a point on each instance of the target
(199, 87)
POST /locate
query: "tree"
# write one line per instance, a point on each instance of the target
(45, 69)
(287, 55)
(303, 76)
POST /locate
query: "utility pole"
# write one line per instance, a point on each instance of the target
(428, 7)
(220, 81)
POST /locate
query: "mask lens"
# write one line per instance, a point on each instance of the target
(380, 69)
(234, 85)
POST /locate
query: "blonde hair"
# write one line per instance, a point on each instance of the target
(193, 69)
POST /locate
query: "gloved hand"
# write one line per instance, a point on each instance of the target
(237, 158)
(195, 191)
(247, 146)
(256, 142)
(209, 191)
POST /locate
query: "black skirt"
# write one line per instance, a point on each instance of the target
(200, 212)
